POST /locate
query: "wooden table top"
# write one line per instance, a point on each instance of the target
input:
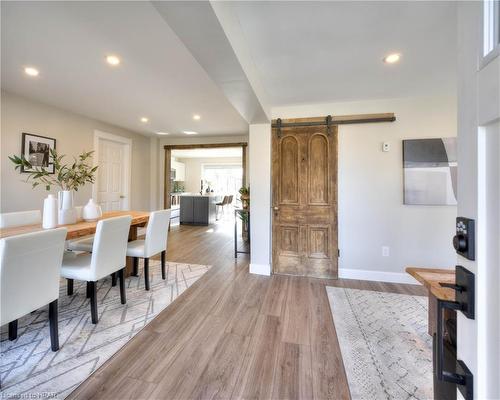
(80, 228)
(431, 277)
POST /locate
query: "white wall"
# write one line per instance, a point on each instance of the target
(194, 166)
(74, 133)
(260, 198)
(371, 210)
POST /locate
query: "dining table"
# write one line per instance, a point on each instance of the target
(85, 228)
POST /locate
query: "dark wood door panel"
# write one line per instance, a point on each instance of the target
(304, 185)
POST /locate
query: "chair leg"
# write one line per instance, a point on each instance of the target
(163, 264)
(121, 277)
(13, 330)
(93, 302)
(136, 267)
(113, 279)
(146, 273)
(54, 325)
(88, 290)
(70, 286)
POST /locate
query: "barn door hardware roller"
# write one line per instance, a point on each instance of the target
(328, 122)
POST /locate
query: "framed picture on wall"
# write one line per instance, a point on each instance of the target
(36, 149)
(430, 171)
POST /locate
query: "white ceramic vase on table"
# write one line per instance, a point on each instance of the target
(66, 210)
(91, 211)
(49, 212)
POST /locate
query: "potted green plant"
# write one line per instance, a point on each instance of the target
(68, 178)
(245, 197)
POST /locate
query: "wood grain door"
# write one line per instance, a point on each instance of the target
(304, 185)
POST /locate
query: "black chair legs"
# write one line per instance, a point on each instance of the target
(136, 267)
(163, 264)
(121, 277)
(13, 330)
(113, 279)
(54, 325)
(146, 273)
(92, 288)
(70, 286)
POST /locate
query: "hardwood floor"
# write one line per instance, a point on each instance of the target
(232, 334)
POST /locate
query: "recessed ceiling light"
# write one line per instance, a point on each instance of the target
(144, 119)
(196, 117)
(162, 133)
(31, 71)
(190, 132)
(112, 60)
(392, 58)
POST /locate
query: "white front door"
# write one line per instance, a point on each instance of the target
(112, 188)
(478, 342)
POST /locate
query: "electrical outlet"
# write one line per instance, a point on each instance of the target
(385, 251)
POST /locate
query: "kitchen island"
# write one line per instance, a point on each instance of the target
(196, 209)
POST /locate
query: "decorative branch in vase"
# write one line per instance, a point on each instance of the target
(68, 178)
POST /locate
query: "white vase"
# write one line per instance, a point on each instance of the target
(49, 212)
(66, 210)
(91, 211)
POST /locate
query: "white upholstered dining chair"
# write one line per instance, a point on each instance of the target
(154, 243)
(29, 277)
(9, 220)
(108, 256)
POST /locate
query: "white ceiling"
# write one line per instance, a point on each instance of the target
(158, 77)
(302, 52)
(208, 153)
(308, 52)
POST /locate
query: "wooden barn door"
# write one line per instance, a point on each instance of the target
(304, 202)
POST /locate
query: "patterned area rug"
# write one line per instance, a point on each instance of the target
(29, 368)
(385, 346)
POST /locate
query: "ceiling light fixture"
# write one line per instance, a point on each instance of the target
(190, 132)
(144, 119)
(112, 60)
(31, 71)
(196, 117)
(392, 58)
(162, 133)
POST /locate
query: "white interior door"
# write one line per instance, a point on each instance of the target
(112, 185)
(478, 343)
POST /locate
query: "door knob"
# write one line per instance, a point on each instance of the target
(276, 208)
(122, 196)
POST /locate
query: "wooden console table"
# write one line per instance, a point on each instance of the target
(430, 278)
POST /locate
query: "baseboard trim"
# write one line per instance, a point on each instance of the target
(377, 276)
(260, 269)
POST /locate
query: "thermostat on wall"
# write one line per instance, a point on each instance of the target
(386, 146)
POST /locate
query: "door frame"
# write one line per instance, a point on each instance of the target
(168, 158)
(127, 160)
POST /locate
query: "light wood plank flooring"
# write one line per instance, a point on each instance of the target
(232, 334)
